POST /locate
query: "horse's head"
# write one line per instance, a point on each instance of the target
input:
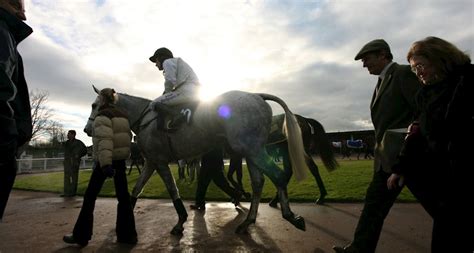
(95, 108)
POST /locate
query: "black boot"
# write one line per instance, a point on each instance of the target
(71, 240)
(176, 121)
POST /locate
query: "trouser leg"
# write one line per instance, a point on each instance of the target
(8, 168)
(378, 201)
(67, 176)
(84, 225)
(125, 224)
(204, 179)
(74, 178)
(221, 182)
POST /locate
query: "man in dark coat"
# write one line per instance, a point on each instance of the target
(392, 107)
(74, 149)
(15, 110)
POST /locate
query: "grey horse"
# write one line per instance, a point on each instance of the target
(239, 119)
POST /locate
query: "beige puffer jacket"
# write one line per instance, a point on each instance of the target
(112, 136)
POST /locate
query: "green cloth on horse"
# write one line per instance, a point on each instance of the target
(276, 131)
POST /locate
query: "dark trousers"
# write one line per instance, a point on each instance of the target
(212, 168)
(444, 189)
(378, 201)
(125, 224)
(8, 169)
(71, 175)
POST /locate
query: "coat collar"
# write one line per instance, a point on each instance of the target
(18, 28)
(384, 84)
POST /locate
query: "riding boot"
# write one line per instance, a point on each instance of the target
(163, 110)
(176, 121)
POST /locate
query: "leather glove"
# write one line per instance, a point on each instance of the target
(108, 170)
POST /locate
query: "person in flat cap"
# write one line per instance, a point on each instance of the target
(181, 87)
(392, 107)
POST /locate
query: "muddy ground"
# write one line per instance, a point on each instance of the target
(36, 222)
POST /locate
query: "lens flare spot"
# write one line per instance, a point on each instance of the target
(224, 111)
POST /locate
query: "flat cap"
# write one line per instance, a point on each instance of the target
(374, 45)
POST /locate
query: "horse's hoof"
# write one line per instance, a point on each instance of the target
(242, 229)
(177, 231)
(273, 203)
(320, 201)
(297, 221)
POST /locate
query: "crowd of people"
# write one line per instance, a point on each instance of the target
(432, 96)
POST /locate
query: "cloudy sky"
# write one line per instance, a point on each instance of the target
(302, 51)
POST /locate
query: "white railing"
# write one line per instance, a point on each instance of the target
(27, 164)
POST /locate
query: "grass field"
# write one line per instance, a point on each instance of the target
(346, 184)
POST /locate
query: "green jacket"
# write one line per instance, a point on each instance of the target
(74, 149)
(393, 107)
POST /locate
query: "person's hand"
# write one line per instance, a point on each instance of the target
(394, 181)
(108, 170)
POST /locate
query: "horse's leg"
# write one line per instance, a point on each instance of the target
(272, 171)
(142, 179)
(138, 168)
(180, 171)
(257, 181)
(239, 174)
(313, 168)
(165, 173)
(287, 170)
(232, 169)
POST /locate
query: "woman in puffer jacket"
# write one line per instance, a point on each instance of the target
(111, 144)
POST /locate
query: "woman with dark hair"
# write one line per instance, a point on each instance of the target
(111, 143)
(435, 160)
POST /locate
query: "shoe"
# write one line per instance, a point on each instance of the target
(347, 249)
(127, 241)
(322, 199)
(200, 207)
(71, 240)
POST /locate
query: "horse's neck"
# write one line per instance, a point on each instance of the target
(135, 107)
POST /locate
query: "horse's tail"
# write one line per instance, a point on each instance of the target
(292, 132)
(322, 144)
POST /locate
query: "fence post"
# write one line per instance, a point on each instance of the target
(45, 164)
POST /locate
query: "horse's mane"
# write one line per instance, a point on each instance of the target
(142, 100)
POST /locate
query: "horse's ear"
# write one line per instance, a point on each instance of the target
(96, 90)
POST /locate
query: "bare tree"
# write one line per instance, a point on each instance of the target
(44, 127)
(40, 114)
(56, 133)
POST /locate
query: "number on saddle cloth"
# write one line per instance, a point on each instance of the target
(184, 112)
(187, 110)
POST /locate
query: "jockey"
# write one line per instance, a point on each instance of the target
(181, 86)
